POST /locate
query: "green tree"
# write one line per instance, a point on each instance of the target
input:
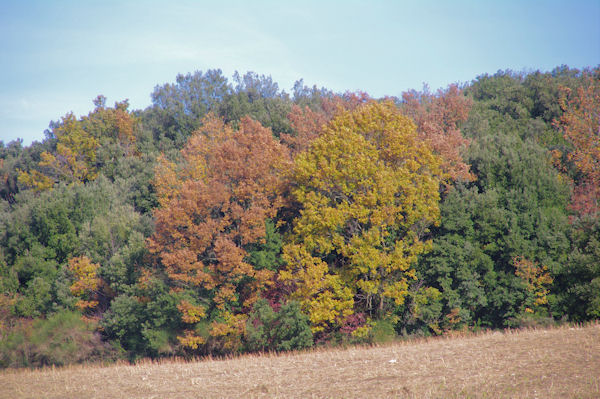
(515, 208)
(284, 330)
(144, 321)
(178, 108)
(258, 97)
(40, 233)
(60, 340)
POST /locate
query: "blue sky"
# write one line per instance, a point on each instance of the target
(56, 56)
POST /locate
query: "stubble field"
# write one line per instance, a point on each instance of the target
(555, 363)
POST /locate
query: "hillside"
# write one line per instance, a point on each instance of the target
(555, 363)
(232, 217)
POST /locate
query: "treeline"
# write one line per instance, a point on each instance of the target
(231, 216)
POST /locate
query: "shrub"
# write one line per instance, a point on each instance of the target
(383, 331)
(284, 330)
(64, 338)
(527, 320)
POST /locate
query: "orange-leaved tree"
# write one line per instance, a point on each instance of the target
(368, 189)
(438, 118)
(214, 202)
(308, 123)
(580, 124)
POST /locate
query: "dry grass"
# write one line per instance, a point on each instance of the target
(555, 363)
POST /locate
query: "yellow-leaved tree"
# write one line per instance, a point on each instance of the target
(368, 188)
(86, 282)
(537, 279)
(74, 160)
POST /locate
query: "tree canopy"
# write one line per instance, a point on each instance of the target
(231, 216)
(368, 190)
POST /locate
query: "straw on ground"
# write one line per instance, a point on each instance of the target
(556, 363)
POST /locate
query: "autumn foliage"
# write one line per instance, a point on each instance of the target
(214, 202)
(308, 123)
(86, 282)
(228, 218)
(368, 189)
(77, 145)
(580, 124)
(74, 160)
(438, 118)
(537, 279)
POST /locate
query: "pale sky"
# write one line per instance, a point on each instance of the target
(57, 56)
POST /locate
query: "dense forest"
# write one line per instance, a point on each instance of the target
(231, 216)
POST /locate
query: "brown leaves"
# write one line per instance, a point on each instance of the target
(580, 124)
(438, 118)
(213, 203)
(308, 123)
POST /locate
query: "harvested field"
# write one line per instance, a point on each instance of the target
(555, 363)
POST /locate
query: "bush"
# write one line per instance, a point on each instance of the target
(383, 331)
(14, 351)
(357, 329)
(531, 321)
(64, 338)
(142, 328)
(284, 330)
